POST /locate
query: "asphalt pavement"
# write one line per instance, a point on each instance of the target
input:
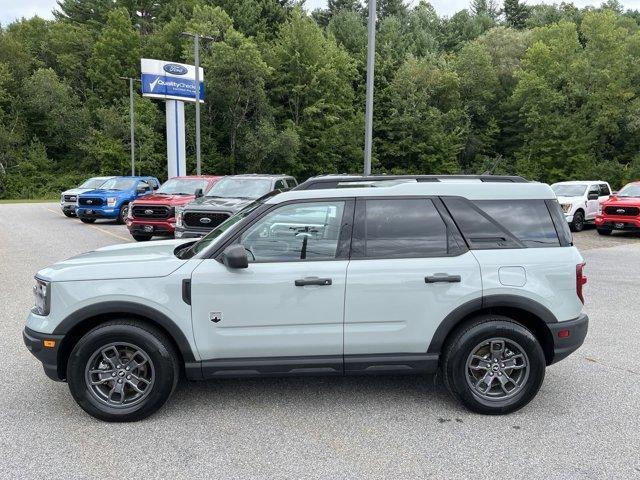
(584, 423)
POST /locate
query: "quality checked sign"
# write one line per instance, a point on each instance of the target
(170, 81)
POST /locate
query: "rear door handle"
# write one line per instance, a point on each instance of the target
(302, 282)
(442, 278)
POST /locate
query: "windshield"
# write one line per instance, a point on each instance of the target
(118, 184)
(631, 190)
(565, 190)
(93, 183)
(231, 187)
(208, 239)
(183, 186)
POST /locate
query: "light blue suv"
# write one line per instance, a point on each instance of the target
(475, 279)
(111, 200)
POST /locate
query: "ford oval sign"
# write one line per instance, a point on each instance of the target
(175, 69)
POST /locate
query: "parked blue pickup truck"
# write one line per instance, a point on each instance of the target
(111, 200)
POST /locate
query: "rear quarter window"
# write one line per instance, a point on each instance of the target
(494, 224)
(528, 220)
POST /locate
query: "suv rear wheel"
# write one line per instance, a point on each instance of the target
(122, 371)
(493, 365)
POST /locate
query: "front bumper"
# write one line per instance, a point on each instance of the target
(629, 224)
(568, 336)
(34, 342)
(84, 212)
(151, 227)
(68, 206)
(182, 232)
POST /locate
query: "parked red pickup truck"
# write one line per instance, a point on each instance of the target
(155, 214)
(621, 211)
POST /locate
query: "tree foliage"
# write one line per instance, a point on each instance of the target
(546, 91)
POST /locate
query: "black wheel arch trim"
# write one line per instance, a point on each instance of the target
(453, 319)
(129, 308)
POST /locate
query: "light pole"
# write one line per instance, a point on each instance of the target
(368, 113)
(132, 122)
(196, 58)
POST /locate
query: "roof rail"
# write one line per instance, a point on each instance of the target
(418, 178)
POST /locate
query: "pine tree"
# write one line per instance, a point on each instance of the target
(516, 13)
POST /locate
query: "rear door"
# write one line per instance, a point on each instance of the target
(409, 269)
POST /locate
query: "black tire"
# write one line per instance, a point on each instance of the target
(141, 238)
(87, 220)
(164, 370)
(463, 343)
(577, 224)
(68, 213)
(122, 215)
(604, 231)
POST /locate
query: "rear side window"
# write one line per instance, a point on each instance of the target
(528, 220)
(400, 228)
(504, 223)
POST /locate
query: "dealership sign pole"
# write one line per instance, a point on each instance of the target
(175, 83)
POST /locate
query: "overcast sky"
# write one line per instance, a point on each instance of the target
(12, 9)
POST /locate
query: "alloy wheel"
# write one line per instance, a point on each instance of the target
(497, 369)
(119, 374)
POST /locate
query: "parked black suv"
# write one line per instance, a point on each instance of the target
(228, 196)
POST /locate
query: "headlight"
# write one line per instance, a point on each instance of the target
(566, 207)
(179, 211)
(130, 211)
(599, 209)
(111, 202)
(42, 292)
(61, 198)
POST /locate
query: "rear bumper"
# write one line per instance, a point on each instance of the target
(34, 341)
(568, 336)
(84, 212)
(166, 226)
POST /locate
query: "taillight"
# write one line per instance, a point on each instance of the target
(580, 280)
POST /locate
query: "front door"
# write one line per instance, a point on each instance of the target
(288, 305)
(408, 271)
(592, 205)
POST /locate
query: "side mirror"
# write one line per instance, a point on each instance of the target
(199, 193)
(593, 196)
(235, 256)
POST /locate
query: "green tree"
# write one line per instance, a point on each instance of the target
(116, 53)
(312, 87)
(516, 13)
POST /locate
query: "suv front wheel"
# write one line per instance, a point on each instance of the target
(493, 365)
(122, 371)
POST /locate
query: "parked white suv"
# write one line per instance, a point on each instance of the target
(580, 200)
(477, 281)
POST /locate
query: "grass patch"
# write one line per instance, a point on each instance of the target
(30, 200)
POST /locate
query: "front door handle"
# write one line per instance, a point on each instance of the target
(442, 278)
(302, 282)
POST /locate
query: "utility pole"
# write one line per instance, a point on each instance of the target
(196, 57)
(132, 124)
(368, 115)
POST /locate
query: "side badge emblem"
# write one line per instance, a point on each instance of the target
(215, 317)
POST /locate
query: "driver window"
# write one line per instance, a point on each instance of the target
(302, 231)
(143, 186)
(594, 189)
